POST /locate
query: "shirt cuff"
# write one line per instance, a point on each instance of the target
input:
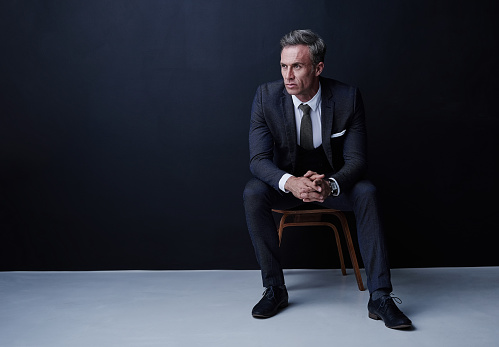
(283, 181)
(339, 190)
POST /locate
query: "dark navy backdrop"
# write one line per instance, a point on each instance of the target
(123, 128)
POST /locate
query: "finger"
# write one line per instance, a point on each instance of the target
(311, 197)
(320, 184)
(317, 182)
(313, 184)
(306, 190)
(310, 173)
(302, 188)
(318, 177)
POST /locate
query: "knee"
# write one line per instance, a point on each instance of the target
(364, 189)
(255, 190)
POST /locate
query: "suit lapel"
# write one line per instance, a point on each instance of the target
(327, 114)
(288, 112)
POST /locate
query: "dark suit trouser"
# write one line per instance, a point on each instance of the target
(260, 199)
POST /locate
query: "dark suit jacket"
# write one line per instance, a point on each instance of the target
(273, 138)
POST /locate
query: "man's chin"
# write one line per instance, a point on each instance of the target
(291, 90)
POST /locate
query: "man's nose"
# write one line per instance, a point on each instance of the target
(289, 74)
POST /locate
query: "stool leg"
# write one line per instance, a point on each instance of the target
(281, 227)
(351, 249)
(338, 244)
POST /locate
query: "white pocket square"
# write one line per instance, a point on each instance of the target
(341, 133)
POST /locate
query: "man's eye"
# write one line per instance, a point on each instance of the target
(297, 67)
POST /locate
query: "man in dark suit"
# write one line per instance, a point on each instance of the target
(308, 145)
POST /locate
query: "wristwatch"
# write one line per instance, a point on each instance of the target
(334, 187)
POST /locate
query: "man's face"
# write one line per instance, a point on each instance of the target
(301, 77)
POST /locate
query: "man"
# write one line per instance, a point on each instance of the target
(308, 145)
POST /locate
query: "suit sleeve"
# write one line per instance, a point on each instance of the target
(354, 147)
(261, 144)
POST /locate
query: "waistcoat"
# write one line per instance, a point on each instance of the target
(314, 160)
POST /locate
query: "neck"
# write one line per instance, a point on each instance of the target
(310, 94)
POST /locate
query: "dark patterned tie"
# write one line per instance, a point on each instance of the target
(306, 133)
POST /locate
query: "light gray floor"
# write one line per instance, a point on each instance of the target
(449, 307)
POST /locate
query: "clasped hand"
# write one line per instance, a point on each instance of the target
(311, 187)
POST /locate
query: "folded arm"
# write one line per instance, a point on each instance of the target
(261, 146)
(354, 147)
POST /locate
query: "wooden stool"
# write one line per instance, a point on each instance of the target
(314, 218)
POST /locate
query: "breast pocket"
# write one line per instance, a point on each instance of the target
(341, 133)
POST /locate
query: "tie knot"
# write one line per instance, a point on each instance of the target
(305, 108)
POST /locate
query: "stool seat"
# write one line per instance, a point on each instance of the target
(314, 218)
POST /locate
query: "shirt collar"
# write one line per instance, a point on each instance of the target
(313, 103)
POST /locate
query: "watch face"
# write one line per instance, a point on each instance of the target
(334, 187)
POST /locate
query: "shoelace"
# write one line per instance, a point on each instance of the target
(270, 291)
(391, 298)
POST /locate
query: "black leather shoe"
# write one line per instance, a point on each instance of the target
(384, 308)
(274, 298)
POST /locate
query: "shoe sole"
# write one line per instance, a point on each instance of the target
(283, 305)
(376, 317)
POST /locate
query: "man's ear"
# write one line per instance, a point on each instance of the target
(318, 68)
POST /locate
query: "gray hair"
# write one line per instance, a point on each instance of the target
(307, 37)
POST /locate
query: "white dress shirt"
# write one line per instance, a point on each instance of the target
(315, 116)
